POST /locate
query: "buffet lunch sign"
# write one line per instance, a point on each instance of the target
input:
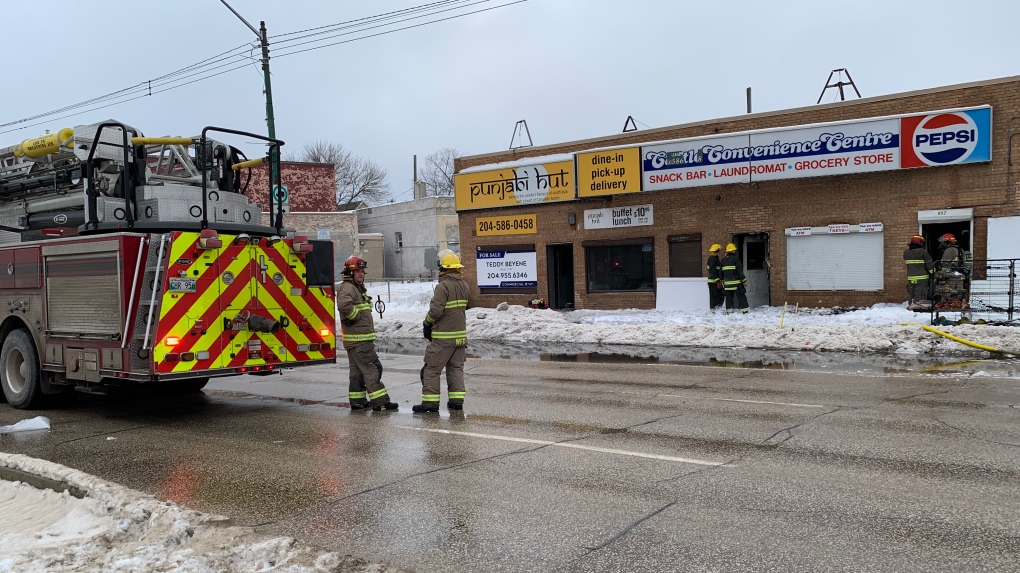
(931, 139)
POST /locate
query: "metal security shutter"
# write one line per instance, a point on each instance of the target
(851, 261)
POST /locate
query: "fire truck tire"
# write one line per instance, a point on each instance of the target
(19, 371)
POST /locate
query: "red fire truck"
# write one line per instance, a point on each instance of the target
(141, 260)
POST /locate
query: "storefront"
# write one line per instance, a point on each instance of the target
(819, 201)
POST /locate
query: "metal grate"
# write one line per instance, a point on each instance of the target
(975, 291)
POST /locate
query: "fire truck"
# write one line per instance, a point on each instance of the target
(142, 260)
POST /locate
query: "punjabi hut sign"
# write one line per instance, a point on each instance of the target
(525, 185)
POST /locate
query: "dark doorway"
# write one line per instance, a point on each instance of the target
(753, 250)
(561, 276)
(932, 231)
(685, 255)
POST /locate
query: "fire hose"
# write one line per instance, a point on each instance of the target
(969, 343)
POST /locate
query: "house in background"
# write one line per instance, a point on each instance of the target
(413, 232)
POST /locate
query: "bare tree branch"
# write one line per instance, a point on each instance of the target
(356, 178)
(438, 172)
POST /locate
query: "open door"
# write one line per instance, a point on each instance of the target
(561, 276)
(754, 254)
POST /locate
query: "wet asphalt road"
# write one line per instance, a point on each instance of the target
(560, 466)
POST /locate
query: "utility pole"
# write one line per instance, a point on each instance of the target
(270, 120)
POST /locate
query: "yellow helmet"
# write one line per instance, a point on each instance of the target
(449, 260)
(714, 248)
(731, 248)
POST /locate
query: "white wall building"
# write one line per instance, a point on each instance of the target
(413, 232)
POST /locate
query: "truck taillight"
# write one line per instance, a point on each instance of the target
(301, 245)
(209, 239)
(324, 332)
(171, 341)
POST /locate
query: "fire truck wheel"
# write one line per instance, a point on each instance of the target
(19, 370)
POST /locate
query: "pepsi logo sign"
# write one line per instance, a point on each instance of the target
(945, 138)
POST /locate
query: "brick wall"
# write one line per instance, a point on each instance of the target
(310, 185)
(718, 212)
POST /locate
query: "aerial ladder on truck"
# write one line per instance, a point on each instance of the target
(143, 260)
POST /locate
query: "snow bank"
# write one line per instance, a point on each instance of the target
(879, 328)
(116, 529)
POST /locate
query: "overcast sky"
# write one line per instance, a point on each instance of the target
(573, 69)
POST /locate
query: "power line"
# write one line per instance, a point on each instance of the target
(400, 29)
(229, 58)
(369, 19)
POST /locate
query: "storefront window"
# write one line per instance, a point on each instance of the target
(620, 267)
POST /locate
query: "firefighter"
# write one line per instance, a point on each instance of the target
(951, 254)
(355, 307)
(951, 275)
(734, 283)
(919, 269)
(445, 328)
(715, 292)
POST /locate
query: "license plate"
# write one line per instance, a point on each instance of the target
(178, 284)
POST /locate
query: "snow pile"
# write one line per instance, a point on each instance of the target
(116, 529)
(36, 423)
(880, 328)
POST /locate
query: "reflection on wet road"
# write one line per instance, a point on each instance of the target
(573, 466)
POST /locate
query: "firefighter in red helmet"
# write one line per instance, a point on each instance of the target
(919, 269)
(358, 332)
(952, 275)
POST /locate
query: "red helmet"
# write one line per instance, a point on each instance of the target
(354, 263)
(917, 240)
(948, 237)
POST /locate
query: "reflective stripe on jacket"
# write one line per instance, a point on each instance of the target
(732, 272)
(919, 264)
(447, 311)
(713, 269)
(355, 307)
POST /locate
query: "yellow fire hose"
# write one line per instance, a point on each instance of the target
(969, 343)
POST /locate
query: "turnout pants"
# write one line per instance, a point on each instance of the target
(366, 373)
(715, 296)
(437, 357)
(917, 291)
(741, 295)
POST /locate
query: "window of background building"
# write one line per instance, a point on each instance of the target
(400, 241)
(685, 255)
(626, 265)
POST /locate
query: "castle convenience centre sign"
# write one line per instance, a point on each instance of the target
(862, 146)
(931, 139)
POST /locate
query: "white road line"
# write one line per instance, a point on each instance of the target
(568, 445)
(753, 401)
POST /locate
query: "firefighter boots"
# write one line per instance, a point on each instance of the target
(425, 408)
(359, 405)
(385, 407)
(454, 406)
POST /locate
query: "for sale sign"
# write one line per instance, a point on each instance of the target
(507, 269)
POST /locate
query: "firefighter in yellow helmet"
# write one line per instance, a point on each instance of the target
(733, 280)
(715, 292)
(358, 333)
(445, 328)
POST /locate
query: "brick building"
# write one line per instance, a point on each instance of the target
(820, 200)
(311, 208)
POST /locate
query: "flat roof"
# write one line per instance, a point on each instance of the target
(606, 140)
